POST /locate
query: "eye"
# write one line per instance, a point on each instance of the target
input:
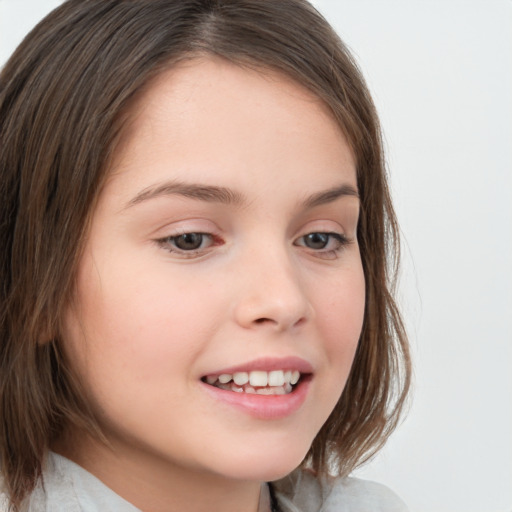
(325, 244)
(187, 244)
(316, 240)
(188, 241)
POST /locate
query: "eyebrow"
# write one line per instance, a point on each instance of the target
(208, 193)
(329, 195)
(223, 195)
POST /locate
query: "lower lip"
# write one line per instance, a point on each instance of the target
(265, 407)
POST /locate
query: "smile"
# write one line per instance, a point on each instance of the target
(258, 382)
(267, 388)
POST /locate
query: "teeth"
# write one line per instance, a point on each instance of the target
(276, 378)
(258, 378)
(241, 378)
(278, 381)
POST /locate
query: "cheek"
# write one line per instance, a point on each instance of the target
(133, 350)
(341, 309)
(340, 314)
(136, 322)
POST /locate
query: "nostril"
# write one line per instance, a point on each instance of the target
(263, 320)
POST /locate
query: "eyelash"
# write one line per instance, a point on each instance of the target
(168, 244)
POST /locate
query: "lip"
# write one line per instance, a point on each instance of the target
(265, 407)
(268, 364)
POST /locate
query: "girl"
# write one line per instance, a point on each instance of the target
(197, 247)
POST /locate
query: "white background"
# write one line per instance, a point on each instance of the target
(441, 75)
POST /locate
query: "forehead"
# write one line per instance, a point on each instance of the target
(225, 121)
(194, 80)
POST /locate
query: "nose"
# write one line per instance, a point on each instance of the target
(271, 293)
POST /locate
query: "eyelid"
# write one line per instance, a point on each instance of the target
(185, 225)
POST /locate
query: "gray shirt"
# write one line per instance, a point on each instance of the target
(68, 487)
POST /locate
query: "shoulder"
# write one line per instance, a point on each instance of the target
(68, 487)
(360, 495)
(4, 500)
(303, 492)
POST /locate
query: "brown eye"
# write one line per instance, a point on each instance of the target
(188, 241)
(189, 245)
(317, 240)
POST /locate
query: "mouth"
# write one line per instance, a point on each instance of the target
(257, 382)
(267, 388)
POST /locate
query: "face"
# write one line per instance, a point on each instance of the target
(220, 295)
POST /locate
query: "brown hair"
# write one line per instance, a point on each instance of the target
(64, 97)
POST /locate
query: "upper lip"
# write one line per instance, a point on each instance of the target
(268, 364)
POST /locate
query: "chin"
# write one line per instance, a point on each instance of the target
(264, 465)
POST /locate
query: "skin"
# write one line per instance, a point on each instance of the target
(150, 319)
